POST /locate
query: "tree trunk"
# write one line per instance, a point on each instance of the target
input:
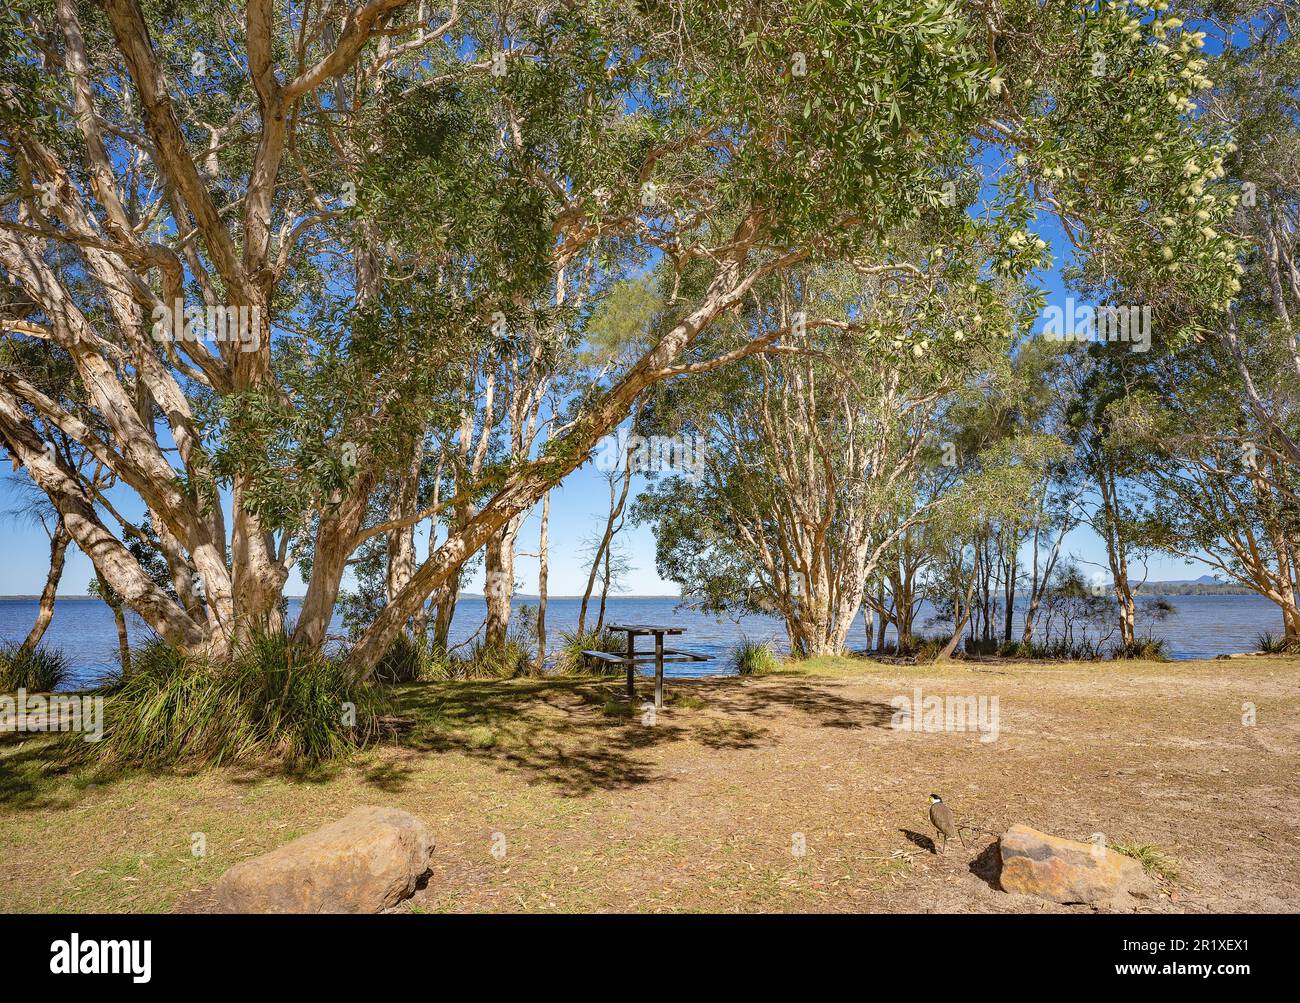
(884, 619)
(123, 641)
(499, 582)
(961, 616)
(604, 590)
(1012, 565)
(401, 541)
(334, 534)
(543, 570)
(59, 541)
(119, 620)
(444, 611)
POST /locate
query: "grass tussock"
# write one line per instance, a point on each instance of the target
(271, 703)
(38, 670)
(508, 660)
(754, 658)
(569, 660)
(1153, 859)
(411, 660)
(1271, 644)
(1149, 649)
(928, 649)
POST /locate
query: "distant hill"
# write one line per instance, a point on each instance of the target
(1204, 586)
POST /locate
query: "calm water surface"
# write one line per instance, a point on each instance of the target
(1201, 627)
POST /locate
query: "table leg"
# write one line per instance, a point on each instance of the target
(631, 665)
(659, 671)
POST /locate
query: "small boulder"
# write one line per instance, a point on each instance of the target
(1067, 871)
(365, 862)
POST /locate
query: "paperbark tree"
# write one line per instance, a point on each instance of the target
(363, 187)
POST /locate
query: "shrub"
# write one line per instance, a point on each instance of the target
(979, 646)
(1271, 644)
(753, 658)
(155, 657)
(569, 660)
(272, 702)
(504, 661)
(1152, 649)
(1060, 650)
(410, 660)
(38, 670)
(930, 648)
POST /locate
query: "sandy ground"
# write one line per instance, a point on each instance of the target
(786, 793)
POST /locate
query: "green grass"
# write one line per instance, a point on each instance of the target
(508, 660)
(37, 670)
(1153, 859)
(556, 769)
(409, 660)
(1270, 643)
(569, 660)
(754, 658)
(1149, 650)
(271, 703)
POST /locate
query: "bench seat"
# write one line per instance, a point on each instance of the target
(671, 655)
(607, 656)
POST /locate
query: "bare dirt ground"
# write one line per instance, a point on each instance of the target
(551, 796)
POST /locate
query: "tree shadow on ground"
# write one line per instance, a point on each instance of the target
(29, 765)
(49, 772)
(776, 695)
(583, 735)
(576, 735)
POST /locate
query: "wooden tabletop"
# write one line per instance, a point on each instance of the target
(641, 628)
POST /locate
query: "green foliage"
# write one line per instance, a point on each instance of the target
(37, 670)
(271, 704)
(1057, 650)
(154, 657)
(1147, 649)
(569, 659)
(634, 147)
(410, 660)
(508, 660)
(929, 648)
(753, 658)
(1274, 644)
(623, 320)
(1154, 860)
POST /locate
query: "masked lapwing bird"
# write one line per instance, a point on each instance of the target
(942, 819)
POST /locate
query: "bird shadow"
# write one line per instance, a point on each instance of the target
(921, 840)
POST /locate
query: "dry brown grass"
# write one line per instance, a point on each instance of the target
(699, 811)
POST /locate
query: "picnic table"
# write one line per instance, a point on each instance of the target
(633, 658)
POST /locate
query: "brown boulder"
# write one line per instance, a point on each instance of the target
(1066, 871)
(365, 862)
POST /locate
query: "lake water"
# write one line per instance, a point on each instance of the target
(1202, 627)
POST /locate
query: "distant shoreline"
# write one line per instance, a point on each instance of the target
(1149, 589)
(463, 595)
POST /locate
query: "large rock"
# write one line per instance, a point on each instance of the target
(365, 862)
(1063, 870)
